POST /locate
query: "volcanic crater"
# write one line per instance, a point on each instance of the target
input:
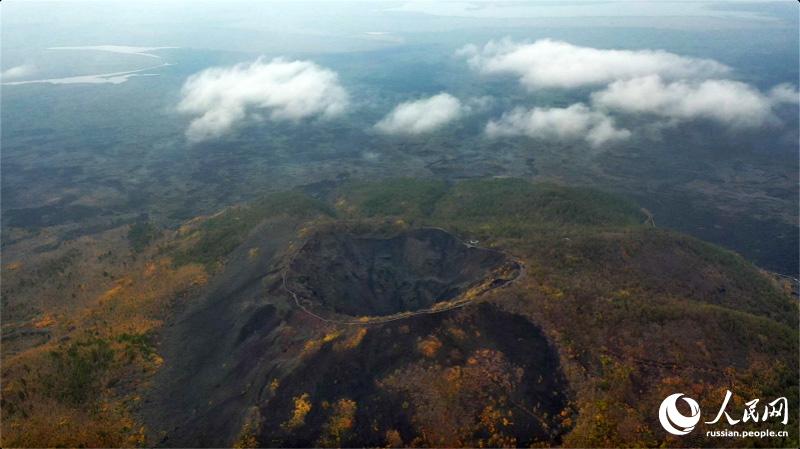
(379, 275)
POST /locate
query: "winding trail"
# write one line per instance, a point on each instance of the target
(437, 308)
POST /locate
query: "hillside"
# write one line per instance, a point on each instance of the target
(405, 312)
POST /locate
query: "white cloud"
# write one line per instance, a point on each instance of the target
(421, 116)
(20, 71)
(573, 122)
(652, 82)
(784, 93)
(725, 101)
(478, 104)
(550, 63)
(222, 97)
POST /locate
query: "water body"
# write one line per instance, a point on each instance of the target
(103, 78)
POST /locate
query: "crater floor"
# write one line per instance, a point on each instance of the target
(372, 276)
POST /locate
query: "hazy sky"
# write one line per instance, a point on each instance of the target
(338, 26)
(283, 81)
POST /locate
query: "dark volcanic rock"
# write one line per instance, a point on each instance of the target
(366, 275)
(219, 350)
(239, 360)
(482, 357)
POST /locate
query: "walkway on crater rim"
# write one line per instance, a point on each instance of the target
(436, 308)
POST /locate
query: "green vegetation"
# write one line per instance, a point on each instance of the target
(655, 261)
(78, 369)
(141, 234)
(518, 203)
(137, 344)
(222, 233)
(58, 266)
(407, 197)
(503, 207)
(500, 207)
